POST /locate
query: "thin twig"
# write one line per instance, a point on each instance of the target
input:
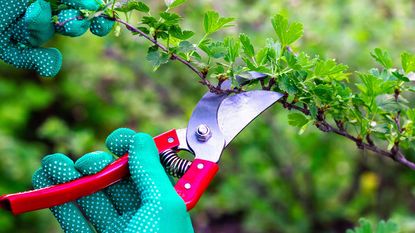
(323, 125)
(161, 46)
(173, 56)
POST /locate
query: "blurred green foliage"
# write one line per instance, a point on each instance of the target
(272, 179)
(383, 227)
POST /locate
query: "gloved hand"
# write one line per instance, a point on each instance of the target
(146, 202)
(25, 26)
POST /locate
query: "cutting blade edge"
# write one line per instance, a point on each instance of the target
(237, 111)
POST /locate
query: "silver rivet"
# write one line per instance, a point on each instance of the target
(170, 140)
(200, 166)
(187, 186)
(203, 133)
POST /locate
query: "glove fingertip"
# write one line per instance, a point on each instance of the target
(94, 162)
(60, 168)
(144, 143)
(39, 180)
(71, 25)
(51, 63)
(101, 26)
(118, 142)
(56, 159)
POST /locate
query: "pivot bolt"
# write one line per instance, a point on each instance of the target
(203, 133)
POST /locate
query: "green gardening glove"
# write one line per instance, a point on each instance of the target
(145, 202)
(25, 25)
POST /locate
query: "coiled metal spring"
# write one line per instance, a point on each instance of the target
(173, 164)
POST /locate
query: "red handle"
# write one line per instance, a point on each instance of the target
(195, 181)
(59, 194)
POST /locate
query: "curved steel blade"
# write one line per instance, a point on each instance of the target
(205, 113)
(237, 111)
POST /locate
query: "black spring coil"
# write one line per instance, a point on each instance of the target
(173, 164)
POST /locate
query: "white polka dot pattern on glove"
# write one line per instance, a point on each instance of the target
(146, 202)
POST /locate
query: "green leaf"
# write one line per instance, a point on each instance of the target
(383, 227)
(299, 120)
(133, 5)
(174, 3)
(287, 84)
(287, 33)
(261, 57)
(249, 63)
(408, 62)
(247, 45)
(274, 49)
(382, 57)
(55, 19)
(373, 86)
(233, 46)
(400, 76)
(213, 49)
(291, 60)
(150, 21)
(170, 18)
(324, 92)
(387, 227)
(305, 61)
(213, 22)
(313, 109)
(177, 32)
(329, 67)
(157, 58)
(186, 47)
(370, 85)
(365, 226)
(389, 104)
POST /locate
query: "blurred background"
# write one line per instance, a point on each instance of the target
(271, 178)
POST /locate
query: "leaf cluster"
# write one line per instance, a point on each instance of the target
(374, 108)
(382, 227)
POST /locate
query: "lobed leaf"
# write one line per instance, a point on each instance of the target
(329, 67)
(170, 19)
(177, 32)
(287, 33)
(383, 227)
(408, 62)
(186, 47)
(213, 22)
(247, 45)
(233, 46)
(214, 49)
(382, 57)
(133, 5)
(157, 58)
(174, 3)
(297, 119)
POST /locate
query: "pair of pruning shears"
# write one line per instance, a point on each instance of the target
(215, 122)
